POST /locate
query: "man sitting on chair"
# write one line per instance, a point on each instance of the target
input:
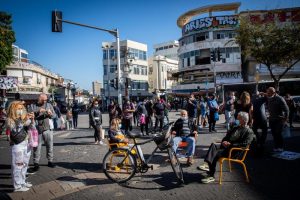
(239, 136)
(185, 130)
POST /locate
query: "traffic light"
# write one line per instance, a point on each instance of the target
(213, 55)
(219, 54)
(114, 83)
(57, 21)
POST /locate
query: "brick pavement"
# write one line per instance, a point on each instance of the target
(78, 175)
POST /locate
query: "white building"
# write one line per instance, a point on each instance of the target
(134, 67)
(161, 66)
(167, 49)
(199, 38)
(32, 78)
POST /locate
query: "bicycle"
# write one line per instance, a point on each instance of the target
(121, 164)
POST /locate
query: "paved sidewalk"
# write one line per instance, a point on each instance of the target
(78, 173)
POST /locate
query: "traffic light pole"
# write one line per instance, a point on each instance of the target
(114, 33)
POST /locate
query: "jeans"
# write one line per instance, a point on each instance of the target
(191, 144)
(20, 158)
(159, 119)
(47, 137)
(97, 131)
(228, 115)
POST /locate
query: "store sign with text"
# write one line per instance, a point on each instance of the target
(210, 22)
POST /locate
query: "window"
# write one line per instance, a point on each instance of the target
(112, 53)
(188, 62)
(104, 54)
(136, 69)
(23, 55)
(105, 69)
(112, 68)
(26, 80)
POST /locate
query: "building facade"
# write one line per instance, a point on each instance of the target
(32, 77)
(200, 39)
(96, 86)
(134, 69)
(162, 65)
(201, 36)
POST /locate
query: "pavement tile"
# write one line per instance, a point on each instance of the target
(63, 193)
(64, 185)
(95, 175)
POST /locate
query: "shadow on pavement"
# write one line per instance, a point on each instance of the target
(79, 166)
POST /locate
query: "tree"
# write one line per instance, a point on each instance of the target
(7, 38)
(271, 44)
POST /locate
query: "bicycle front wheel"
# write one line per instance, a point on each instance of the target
(175, 165)
(119, 165)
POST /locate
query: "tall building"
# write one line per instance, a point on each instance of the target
(200, 38)
(134, 69)
(96, 86)
(207, 33)
(168, 49)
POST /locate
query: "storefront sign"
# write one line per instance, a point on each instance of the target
(229, 77)
(210, 22)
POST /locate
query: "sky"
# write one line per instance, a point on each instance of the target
(76, 53)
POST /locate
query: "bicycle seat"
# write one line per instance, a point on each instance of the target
(134, 135)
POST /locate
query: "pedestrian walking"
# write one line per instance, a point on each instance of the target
(18, 121)
(244, 104)
(158, 109)
(58, 116)
(229, 108)
(114, 111)
(69, 118)
(192, 108)
(292, 107)
(279, 113)
(96, 122)
(44, 115)
(128, 110)
(142, 116)
(213, 111)
(75, 113)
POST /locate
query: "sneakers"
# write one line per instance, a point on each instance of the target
(50, 164)
(203, 167)
(22, 189)
(27, 184)
(96, 142)
(208, 179)
(34, 169)
(102, 143)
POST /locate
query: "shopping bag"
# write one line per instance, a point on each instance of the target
(216, 116)
(33, 137)
(102, 134)
(286, 132)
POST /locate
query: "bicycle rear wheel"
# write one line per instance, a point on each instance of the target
(175, 165)
(119, 165)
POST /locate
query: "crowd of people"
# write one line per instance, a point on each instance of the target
(244, 115)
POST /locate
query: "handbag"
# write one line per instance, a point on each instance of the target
(216, 116)
(33, 137)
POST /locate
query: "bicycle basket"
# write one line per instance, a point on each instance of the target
(161, 142)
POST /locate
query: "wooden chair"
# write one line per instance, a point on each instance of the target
(243, 153)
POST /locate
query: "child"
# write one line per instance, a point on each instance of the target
(69, 119)
(18, 122)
